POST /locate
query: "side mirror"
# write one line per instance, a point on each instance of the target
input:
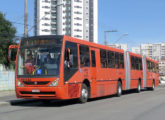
(12, 52)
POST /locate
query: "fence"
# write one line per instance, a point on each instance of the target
(7, 81)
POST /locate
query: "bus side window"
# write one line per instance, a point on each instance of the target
(140, 61)
(70, 60)
(117, 62)
(84, 56)
(132, 62)
(103, 58)
(121, 61)
(111, 59)
(149, 66)
(136, 63)
(93, 58)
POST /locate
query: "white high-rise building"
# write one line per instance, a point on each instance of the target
(76, 18)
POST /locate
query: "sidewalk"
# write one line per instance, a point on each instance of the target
(7, 93)
(6, 97)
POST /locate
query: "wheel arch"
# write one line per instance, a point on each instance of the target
(140, 80)
(120, 80)
(87, 83)
(153, 80)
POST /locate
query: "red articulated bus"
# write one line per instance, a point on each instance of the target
(62, 67)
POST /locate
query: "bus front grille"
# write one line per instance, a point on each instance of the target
(36, 83)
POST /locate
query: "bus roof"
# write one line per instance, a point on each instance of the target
(44, 37)
(92, 44)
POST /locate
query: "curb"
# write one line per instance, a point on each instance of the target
(4, 103)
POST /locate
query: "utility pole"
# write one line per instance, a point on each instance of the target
(105, 41)
(25, 21)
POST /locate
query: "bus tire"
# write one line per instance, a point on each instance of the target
(139, 87)
(119, 89)
(84, 94)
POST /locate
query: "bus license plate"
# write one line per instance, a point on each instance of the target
(35, 90)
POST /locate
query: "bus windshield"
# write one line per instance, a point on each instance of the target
(37, 59)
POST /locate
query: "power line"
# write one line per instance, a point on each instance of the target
(19, 23)
(8, 34)
(20, 18)
(105, 41)
(126, 34)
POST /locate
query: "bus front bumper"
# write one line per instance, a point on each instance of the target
(40, 93)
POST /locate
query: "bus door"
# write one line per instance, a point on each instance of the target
(93, 71)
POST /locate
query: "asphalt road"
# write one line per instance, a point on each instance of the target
(147, 105)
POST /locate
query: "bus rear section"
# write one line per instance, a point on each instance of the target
(152, 73)
(141, 72)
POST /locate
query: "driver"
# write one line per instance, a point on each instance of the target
(29, 64)
(68, 58)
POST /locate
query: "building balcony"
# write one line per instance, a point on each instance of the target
(53, 28)
(53, 22)
(53, 16)
(53, 9)
(53, 32)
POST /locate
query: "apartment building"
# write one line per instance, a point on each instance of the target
(76, 18)
(154, 51)
(136, 50)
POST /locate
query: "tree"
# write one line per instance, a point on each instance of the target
(7, 33)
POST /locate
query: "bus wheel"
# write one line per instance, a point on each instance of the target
(139, 87)
(119, 89)
(84, 94)
(153, 85)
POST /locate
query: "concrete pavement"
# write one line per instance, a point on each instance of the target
(147, 105)
(9, 97)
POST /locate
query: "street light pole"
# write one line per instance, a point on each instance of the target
(105, 40)
(25, 21)
(126, 34)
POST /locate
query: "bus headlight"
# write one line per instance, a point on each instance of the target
(19, 84)
(54, 83)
